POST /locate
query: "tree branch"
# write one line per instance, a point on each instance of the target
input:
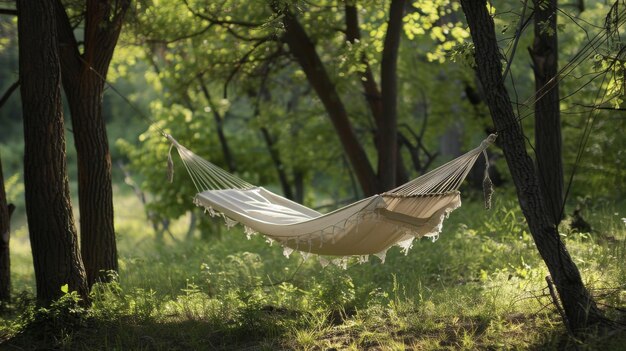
(68, 46)
(8, 12)
(303, 50)
(181, 37)
(596, 107)
(221, 22)
(7, 94)
(240, 63)
(219, 124)
(103, 25)
(518, 34)
(370, 88)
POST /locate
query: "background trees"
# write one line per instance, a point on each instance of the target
(84, 77)
(53, 236)
(579, 306)
(544, 54)
(272, 70)
(328, 101)
(308, 46)
(5, 226)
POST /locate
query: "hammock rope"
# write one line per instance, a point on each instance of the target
(367, 227)
(443, 179)
(204, 174)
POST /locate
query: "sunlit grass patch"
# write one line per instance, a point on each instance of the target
(480, 286)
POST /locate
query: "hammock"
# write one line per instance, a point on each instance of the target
(370, 226)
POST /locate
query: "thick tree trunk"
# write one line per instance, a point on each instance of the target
(53, 236)
(579, 306)
(83, 81)
(5, 258)
(388, 126)
(95, 194)
(303, 51)
(544, 54)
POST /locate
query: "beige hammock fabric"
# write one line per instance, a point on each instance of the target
(369, 226)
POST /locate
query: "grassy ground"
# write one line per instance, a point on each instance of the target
(480, 286)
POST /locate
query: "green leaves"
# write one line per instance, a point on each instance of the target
(437, 19)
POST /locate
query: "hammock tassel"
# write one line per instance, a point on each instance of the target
(287, 251)
(382, 255)
(487, 183)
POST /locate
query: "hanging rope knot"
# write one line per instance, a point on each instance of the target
(170, 162)
(490, 140)
(487, 183)
(171, 140)
(170, 165)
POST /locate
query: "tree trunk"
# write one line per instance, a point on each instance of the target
(544, 54)
(278, 163)
(370, 88)
(5, 219)
(53, 237)
(298, 184)
(388, 127)
(5, 258)
(83, 80)
(95, 194)
(219, 126)
(303, 51)
(579, 306)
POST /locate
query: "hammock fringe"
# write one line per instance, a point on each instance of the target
(370, 226)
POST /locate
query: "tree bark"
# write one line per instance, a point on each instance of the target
(579, 306)
(83, 80)
(544, 54)
(304, 52)
(388, 126)
(5, 231)
(53, 237)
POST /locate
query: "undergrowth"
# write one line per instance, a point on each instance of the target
(480, 286)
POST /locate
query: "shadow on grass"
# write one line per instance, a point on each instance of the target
(270, 328)
(263, 332)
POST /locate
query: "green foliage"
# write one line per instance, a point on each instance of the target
(437, 19)
(336, 291)
(219, 50)
(172, 200)
(51, 325)
(480, 286)
(589, 78)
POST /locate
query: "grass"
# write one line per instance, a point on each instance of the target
(480, 286)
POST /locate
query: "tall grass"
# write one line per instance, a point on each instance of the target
(480, 286)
